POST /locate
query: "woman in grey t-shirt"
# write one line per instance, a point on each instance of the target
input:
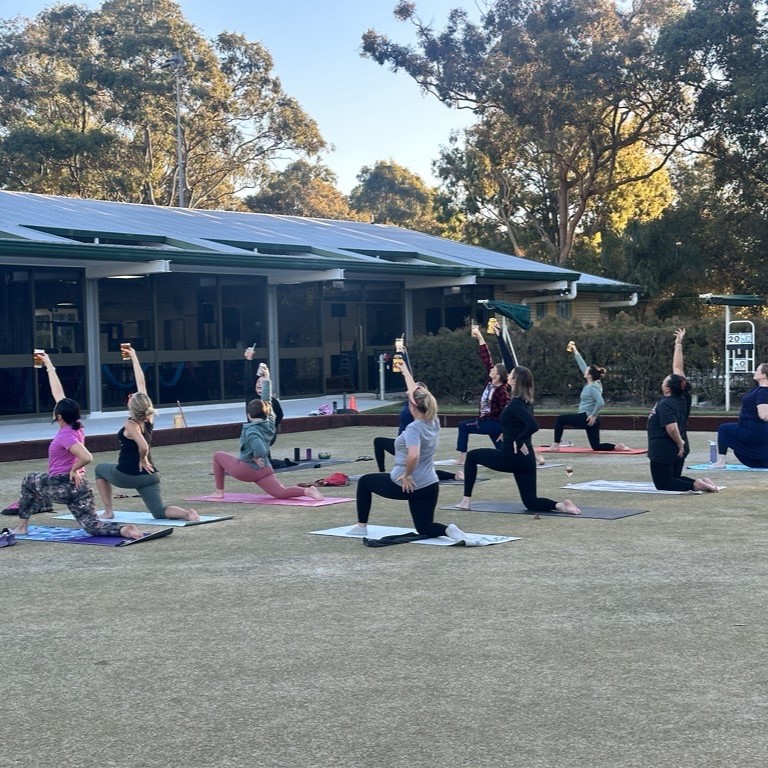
(413, 478)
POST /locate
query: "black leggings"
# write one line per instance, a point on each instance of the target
(669, 477)
(421, 503)
(579, 420)
(521, 466)
(382, 445)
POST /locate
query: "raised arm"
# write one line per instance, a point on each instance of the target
(578, 358)
(410, 382)
(506, 355)
(677, 356)
(485, 353)
(138, 372)
(53, 378)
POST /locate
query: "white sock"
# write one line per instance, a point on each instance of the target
(454, 532)
(361, 529)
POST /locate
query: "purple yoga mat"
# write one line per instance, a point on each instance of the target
(61, 535)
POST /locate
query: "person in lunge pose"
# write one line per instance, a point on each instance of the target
(493, 399)
(516, 455)
(591, 403)
(748, 438)
(667, 430)
(65, 481)
(252, 465)
(413, 478)
(134, 468)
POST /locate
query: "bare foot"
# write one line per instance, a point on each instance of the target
(705, 484)
(621, 447)
(192, 516)
(313, 493)
(568, 507)
(717, 465)
(464, 504)
(459, 475)
(22, 529)
(107, 514)
(131, 532)
(540, 460)
(217, 494)
(554, 447)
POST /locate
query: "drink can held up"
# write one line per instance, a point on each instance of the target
(37, 359)
(124, 347)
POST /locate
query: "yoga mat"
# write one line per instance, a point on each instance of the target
(313, 464)
(578, 449)
(258, 498)
(516, 508)
(355, 478)
(144, 518)
(379, 531)
(61, 535)
(728, 467)
(620, 486)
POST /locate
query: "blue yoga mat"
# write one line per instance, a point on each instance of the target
(728, 467)
(61, 535)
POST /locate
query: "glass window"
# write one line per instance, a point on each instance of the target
(244, 313)
(187, 312)
(188, 382)
(125, 314)
(16, 336)
(298, 316)
(564, 310)
(542, 310)
(58, 311)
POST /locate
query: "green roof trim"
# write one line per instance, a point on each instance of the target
(735, 300)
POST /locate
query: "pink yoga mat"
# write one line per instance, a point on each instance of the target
(577, 449)
(261, 498)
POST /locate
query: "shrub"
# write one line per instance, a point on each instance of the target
(636, 357)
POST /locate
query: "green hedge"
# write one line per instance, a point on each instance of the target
(637, 358)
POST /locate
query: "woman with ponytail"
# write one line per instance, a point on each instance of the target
(65, 481)
(667, 430)
(413, 478)
(253, 464)
(134, 468)
(591, 403)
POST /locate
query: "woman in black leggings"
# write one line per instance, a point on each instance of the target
(516, 455)
(413, 478)
(667, 431)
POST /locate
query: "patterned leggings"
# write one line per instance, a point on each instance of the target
(39, 490)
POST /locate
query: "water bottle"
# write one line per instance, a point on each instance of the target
(712, 451)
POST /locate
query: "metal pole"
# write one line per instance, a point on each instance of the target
(179, 147)
(382, 368)
(727, 361)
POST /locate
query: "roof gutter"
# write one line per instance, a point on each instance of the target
(568, 295)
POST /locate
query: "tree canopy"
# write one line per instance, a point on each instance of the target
(572, 83)
(86, 107)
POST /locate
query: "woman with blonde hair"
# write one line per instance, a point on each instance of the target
(134, 468)
(413, 478)
(253, 464)
(516, 455)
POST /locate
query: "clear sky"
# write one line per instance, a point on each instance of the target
(365, 111)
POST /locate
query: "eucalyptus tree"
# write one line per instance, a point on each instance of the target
(87, 108)
(571, 84)
(302, 189)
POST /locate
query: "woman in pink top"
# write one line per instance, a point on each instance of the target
(65, 482)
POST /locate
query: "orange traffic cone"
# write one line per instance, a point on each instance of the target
(352, 403)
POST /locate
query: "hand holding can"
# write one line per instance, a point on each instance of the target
(125, 350)
(37, 358)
